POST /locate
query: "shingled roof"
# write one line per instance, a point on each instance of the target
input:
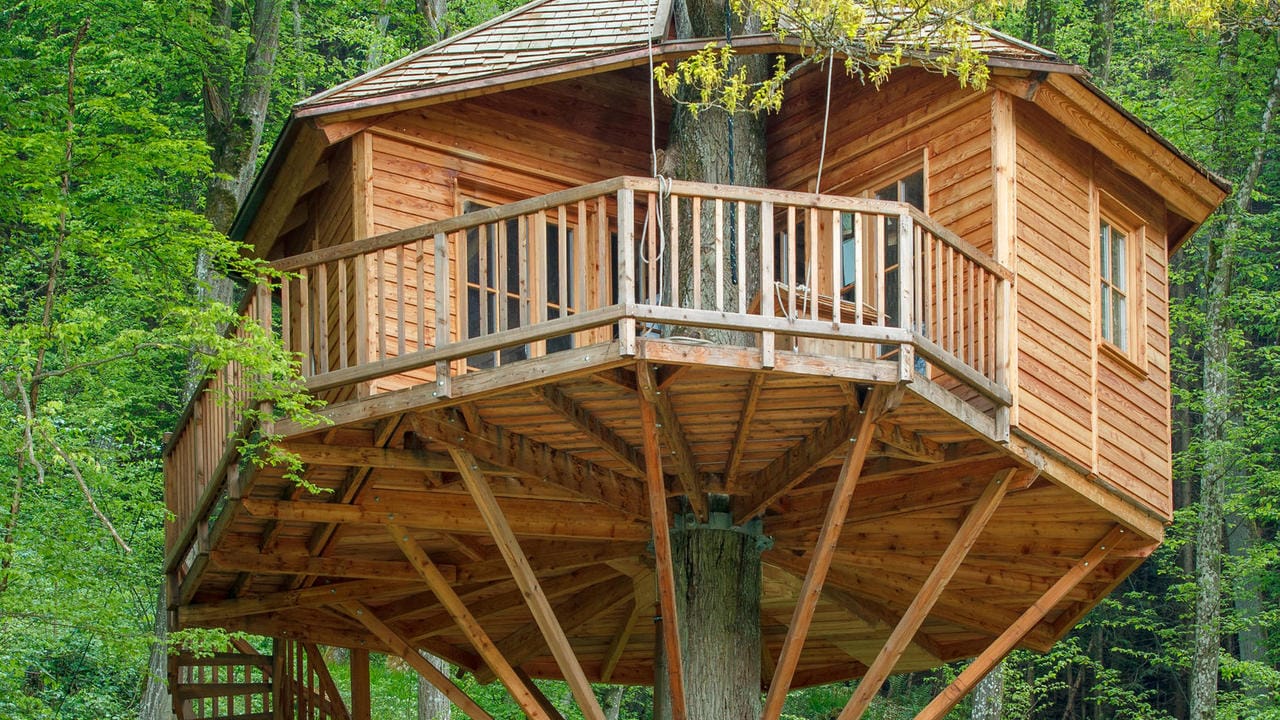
(548, 33)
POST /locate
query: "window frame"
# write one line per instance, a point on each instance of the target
(1131, 349)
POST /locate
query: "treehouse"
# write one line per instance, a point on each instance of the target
(932, 393)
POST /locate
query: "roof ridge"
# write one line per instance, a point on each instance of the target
(434, 47)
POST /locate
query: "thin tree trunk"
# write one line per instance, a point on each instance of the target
(432, 704)
(988, 697)
(1219, 401)
(156, 704)
(613, 702)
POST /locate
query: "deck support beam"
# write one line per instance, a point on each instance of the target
(468, 624)
(667, 422)
(797, 463)
(525, 578)
(820, 560)
(530, 457)
(401, 647)
(975, 522)
(744, 428)
(669, 625)
(589, 425)
(984, 663)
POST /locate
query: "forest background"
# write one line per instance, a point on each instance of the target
(129, 129)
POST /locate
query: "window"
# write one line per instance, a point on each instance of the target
(1113, 252)
(1119, 285)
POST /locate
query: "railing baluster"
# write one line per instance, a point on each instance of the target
(420, 291)
(343, 309)
(322, 325)
(767, 281)
(562, 258)
(696, 268)
(791, 262)
(652, 281)
(537, 296)
(837, 269)
(400, 323)
(673, 251)
(380, 314)
(484, 234)
(304, 323)
(881, 232)
(743, 256)
(859, 270)
(811, 266)
(719, 228)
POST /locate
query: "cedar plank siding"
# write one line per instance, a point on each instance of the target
(1080, 400)
(1054, 310)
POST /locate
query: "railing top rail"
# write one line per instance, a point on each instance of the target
(453, 224)
(732, 193)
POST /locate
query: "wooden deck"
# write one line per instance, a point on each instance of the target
(489, 376)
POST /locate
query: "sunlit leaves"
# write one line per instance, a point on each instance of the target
(870, 38)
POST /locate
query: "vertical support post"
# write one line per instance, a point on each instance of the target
(1004, 218)
(626, 270)
(279, 679)
(767, 357)
(361, 707)
(669, 627)
(906, 293)
(444, 376)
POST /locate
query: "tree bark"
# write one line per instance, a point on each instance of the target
(988, 697)
(432, 704)
(613, 702)
(1219, 407)
(716, 148)
(718, 576)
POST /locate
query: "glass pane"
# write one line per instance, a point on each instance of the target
(913, 189)
(888, 192)
(849, 263)
(1106, 313)
(1118, 322)
(1118, 263)
(1104, 250)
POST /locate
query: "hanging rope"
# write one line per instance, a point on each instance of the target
(826, 115)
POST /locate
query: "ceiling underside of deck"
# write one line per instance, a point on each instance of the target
(586, 530)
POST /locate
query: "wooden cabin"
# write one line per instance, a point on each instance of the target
(952, 364)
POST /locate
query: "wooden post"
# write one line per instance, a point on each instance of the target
(528, 583)
(361, 707)
(626, 269)
(974, 523)
(1004, 218)
(906, 293)
(984, 663)
(820, 562)
(444, 381)
(670, 634)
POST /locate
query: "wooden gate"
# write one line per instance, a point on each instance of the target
(293, 683)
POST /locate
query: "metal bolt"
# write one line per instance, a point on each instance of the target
(359, 612)
(391, 516)
(405, 538)
(332, 591)
(1086, 564)
(377, 498)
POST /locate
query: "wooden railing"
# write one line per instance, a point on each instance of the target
(612, 261)
(293, 682)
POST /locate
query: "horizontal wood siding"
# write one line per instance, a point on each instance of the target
(1054, 327)
(1083, 402)
(1134, 433)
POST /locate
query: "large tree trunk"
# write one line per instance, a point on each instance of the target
(716, 148)
(1219, 406)
(718, 580)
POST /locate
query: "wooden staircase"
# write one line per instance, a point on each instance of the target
(292, 683)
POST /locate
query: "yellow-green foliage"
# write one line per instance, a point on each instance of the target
(872, 38)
